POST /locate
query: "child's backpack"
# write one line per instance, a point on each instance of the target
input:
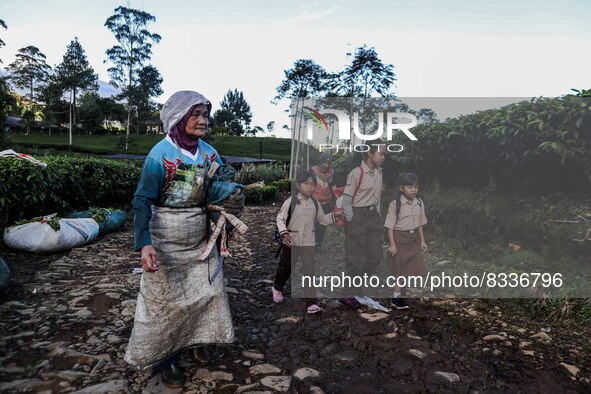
(278, 238)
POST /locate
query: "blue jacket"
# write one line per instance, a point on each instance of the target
(166, 170)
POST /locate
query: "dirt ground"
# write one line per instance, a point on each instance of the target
(66, 319)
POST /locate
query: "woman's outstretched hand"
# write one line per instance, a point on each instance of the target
(148, 259)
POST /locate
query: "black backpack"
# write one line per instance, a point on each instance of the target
(278, 238)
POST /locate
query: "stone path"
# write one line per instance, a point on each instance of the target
(66, 319)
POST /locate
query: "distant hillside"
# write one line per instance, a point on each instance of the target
(105, 90)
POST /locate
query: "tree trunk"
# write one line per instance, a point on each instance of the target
(74, 109)
(297, 152)
(128, 126)
(70, 128)
(31, 96)
(292, 163)
(128, 108)
(31, 109)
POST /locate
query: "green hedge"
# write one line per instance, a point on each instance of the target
(66, 184)
(283, 185)
(261, 195)
(553, 226)
(541, 145)
(251, 173)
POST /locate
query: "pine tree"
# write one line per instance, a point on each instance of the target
(29, 70)
(234, 114)
(74, 74)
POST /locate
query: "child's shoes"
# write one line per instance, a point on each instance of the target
(314, 309)
(350, 302)
(277, 295)
(399, 303)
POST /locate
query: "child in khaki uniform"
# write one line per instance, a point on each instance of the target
(298, 238)
(405, 221)
(364, 224)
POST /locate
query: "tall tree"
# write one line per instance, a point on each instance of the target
(55, 110)
(305, 79)
(29, 70)
(74, 73)
(130, 28)
(234, 114)
(2, 43)
(149, 85)
(366, 75)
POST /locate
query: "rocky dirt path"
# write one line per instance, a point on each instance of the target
(66, 319)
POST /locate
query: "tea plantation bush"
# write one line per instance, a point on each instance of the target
(267, 173)
(552, 226)
(261, 195)
(541, 145)
(283, 185)
(67, 183)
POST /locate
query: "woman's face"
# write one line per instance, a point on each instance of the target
(198, 121)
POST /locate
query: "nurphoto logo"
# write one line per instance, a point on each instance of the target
(351, 127)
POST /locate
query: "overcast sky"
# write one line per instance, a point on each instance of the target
(438, 48)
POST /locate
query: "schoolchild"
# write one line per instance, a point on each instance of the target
(364, 224)
(298, 236)
(405, 220)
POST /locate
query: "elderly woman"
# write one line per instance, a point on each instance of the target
(177, 308)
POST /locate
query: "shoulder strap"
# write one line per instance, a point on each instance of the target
(292, 208)
(315, 201)
(360, 179)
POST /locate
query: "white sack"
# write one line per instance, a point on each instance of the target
(40, 237)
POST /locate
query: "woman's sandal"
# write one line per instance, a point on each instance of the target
(314, 309)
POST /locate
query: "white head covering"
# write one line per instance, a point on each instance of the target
(178, 105)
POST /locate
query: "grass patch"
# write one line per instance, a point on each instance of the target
(277, 149)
